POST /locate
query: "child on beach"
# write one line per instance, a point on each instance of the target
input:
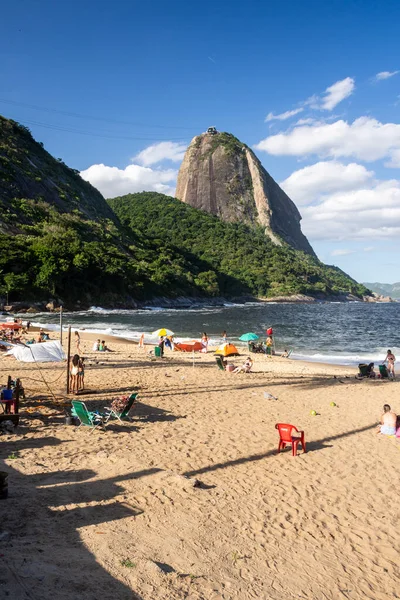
(74, 369)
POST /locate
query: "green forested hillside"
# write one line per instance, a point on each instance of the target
(240, 259)
(60, 239)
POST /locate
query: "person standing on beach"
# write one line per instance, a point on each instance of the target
(224, 337)
(78, 341)
(141, 342)
(161, 345)
(74, 370)
(204, 341)
(269, 343)
(391, 359)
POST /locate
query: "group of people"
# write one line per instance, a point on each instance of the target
(100, 346)
(370, 372)
(76, 374)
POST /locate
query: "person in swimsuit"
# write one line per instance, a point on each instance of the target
(74, 369)
(204, 341)
(78, 341)
(81, 374)
(141, 342)
(391, 359)
(246, 366)
(388, 421)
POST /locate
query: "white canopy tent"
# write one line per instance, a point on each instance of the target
(44, 352)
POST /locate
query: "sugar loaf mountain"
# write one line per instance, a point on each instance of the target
(231, 232)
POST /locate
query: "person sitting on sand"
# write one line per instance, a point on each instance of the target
(388, 421)
(96, 346)
(285, 354)
(105, 348)
(246, 366)
(370, 371)
(391, 359)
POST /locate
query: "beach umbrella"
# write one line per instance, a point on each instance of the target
(248, 337)
(162, 332)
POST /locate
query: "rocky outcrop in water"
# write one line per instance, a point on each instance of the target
(221, 175)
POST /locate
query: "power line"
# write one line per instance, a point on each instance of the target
(100, 135)
(80, 116)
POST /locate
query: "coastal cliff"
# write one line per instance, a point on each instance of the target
(222, 176)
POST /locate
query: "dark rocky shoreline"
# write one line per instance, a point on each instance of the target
(180, 302)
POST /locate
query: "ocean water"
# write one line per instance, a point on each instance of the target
(340, 333)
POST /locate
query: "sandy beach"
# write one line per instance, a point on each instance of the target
(190, 499)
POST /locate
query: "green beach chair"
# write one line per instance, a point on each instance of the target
(383, 371)
(86, 417)
(124, 414)
(220, 363)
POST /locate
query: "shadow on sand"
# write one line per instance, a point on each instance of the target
(57, 564)
(311, 447)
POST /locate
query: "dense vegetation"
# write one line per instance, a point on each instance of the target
(240, 259)
(59, 238)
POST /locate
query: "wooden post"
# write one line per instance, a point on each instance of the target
(17, 393)
(68, 356)
(61, 319)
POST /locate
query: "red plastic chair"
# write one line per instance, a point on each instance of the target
(285, 434)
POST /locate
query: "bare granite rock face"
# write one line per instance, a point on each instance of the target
(222, 176)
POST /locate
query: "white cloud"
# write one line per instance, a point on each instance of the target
(306, 185)
(337, 92)
(367, 213)
(385, 75)
(283, 116)
(342, 252)
(308, 121)
(333, 95)
(365, 139)
(156, 153)
(111, 181)
(369, 249)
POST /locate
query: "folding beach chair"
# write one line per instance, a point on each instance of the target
(220, 363)
(124, 414)
(86, 417)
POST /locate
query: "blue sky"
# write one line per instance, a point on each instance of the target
(113, 78)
